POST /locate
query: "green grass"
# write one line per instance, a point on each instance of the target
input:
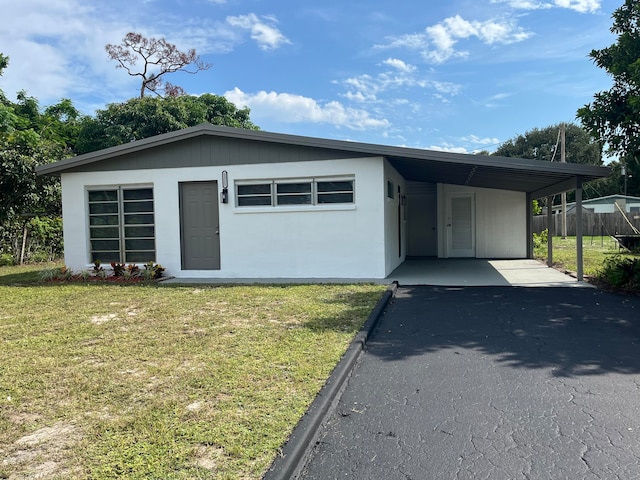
(142, 381)
(595, 251)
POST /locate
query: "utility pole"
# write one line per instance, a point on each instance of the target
(563, 159)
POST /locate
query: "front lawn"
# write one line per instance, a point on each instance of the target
(142, 381)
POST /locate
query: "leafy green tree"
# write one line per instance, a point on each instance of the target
(613, 118)
(145, 117)
(28, 138)
(540, 144)
(612, 184)
(543, 144)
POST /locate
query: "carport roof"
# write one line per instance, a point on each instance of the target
(531, 176)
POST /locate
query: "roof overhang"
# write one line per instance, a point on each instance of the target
(533, 177)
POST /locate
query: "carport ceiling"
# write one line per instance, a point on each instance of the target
(522, 175)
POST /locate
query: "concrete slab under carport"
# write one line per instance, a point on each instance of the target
(474, 272)
(449, 272)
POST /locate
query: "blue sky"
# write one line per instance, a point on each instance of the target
(460, 75)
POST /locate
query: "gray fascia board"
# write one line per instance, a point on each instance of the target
(520, 164)
(564, 186)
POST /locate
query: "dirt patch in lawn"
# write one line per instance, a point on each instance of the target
(42, 453)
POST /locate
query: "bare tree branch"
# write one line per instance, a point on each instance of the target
(158, 57)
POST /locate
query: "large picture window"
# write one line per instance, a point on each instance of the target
(122, 225)
(288, 192)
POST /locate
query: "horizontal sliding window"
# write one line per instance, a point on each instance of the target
(122, 225)
(254, 195)
(284, 192)
(294, 193)
(335, 192)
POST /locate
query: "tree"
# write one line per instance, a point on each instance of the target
(540, 144)
(613, 118)
(28, 138)
(145, 117)
(543, 144)
(158, 57)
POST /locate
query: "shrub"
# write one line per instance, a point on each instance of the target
(6, 259)
(540, 239)
(97, 268)
(153, 270)
(621, 272)
(58, 273)
(118, 269)
(49, 274)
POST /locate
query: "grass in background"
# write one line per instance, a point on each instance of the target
(142, 381)
(595, 252)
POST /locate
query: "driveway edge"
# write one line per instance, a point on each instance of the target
(295, 451)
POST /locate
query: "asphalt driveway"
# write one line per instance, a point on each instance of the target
(491, 382)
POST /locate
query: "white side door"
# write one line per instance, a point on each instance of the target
(461, 225)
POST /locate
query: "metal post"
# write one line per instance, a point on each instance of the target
(579, 256)
(529, 226)
(563, 159)
(551, 228)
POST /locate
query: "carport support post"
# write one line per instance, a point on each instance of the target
(551, 230)
(579, 257)
(529, 225)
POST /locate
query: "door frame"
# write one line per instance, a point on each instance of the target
(216, 265)
(450, 251)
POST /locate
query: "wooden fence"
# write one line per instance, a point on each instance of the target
(593, 224)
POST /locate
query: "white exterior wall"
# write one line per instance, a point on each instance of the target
(500, 221)
(391, 257)
(332, 241)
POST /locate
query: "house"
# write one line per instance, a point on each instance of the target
(606, 204)
(219, 202)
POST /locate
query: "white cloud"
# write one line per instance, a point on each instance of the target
(437, 43)
(582, 6)
(399, 65)
(402, 76)
(471, 141)
(525, 4)
(480, 141)
(447, 88)
(262, 30)
(445, 35)
(291, 108)
(447, 147)
(56, 48)
(494, 101)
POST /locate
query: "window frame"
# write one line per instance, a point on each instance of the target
(128, 232)
(313, 193)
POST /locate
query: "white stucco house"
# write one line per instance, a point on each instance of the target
(220, 202)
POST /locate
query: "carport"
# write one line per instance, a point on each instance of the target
(534, 178)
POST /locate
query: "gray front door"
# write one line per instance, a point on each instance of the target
(199, 226)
